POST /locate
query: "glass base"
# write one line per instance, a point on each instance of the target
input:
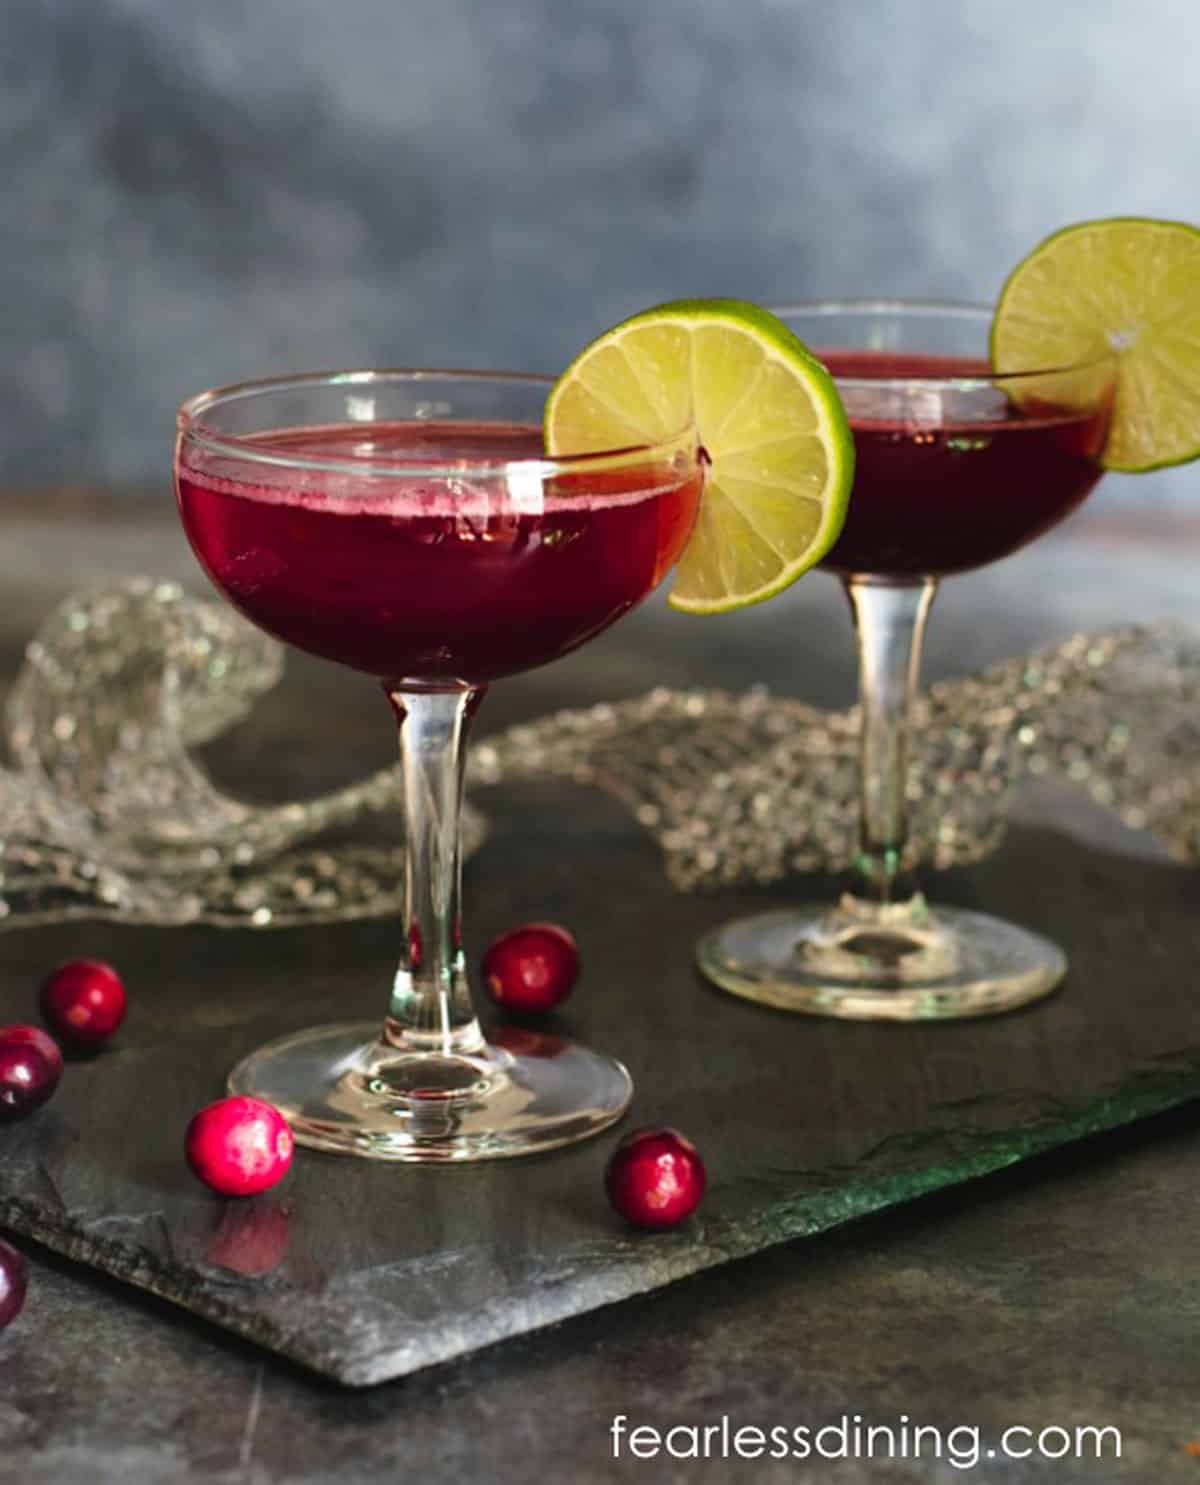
(343, 1089)
(895, 962)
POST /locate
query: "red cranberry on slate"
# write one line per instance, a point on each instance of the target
(655, 1177)
(35, 1037)
(239, 1146)
(532, 968)
(30, 1067)
(84, 1001)
(13, 1278)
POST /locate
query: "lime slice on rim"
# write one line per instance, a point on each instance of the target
(1127, 285)
(769, 418)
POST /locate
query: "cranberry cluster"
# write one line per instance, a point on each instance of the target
(83, 1003)
(242, 1146)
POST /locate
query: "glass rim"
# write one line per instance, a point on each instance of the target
(948, 309)
(256, 449)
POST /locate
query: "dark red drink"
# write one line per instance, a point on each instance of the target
(451, 576)
(958, 476)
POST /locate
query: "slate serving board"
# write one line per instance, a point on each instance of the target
(365, 1272)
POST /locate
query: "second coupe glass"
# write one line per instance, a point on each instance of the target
(955, 468)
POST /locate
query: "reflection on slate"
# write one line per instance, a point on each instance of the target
(365, 1272)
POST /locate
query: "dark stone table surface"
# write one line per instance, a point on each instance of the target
(1061, 1293)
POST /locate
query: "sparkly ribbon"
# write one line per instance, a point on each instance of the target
(106, 813)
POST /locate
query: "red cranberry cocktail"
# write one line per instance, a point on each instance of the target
(408, 525)
(955, 477)
(443, 578)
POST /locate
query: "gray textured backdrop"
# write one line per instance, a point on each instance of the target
(200, 192)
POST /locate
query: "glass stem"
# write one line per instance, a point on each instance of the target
(431, 1010)
(890, 623)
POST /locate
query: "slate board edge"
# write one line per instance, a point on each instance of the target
(803, 1215)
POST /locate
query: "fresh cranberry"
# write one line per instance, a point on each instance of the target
(13, 1278)
(30, 1067)
(239, 1146)
(84, 1001)
(655, 1177)
(35, 1037)
(532, 968)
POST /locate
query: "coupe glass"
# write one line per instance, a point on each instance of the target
(955, 468)
(407, 524)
